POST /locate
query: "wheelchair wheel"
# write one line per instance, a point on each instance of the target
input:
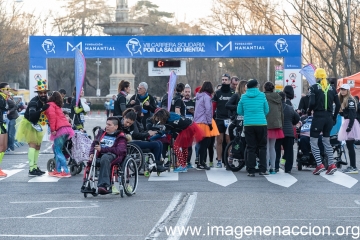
(79, 168)
(51, 165)
(234, 164)
(136, 153)
(130, 176)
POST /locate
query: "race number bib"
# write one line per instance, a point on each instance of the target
(306, 127)
(227, 122)
(82, 117)
(189, 117)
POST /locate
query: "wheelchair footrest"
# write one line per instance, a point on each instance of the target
(88, 190)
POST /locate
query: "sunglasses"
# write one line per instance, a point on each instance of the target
(6, 89)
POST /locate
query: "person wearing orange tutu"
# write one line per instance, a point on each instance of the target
(187, 131)
(350, 128)
(204, 119)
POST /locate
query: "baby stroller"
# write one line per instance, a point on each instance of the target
(76, 150)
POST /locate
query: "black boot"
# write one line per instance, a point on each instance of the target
(160, 167)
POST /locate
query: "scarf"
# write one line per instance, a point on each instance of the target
(142, 98)
(123, 93)
(3, 95)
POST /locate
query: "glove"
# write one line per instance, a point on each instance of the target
(348, 129)
(46, 106)
(210, 126)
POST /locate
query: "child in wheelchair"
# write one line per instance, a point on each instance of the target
(109, 149)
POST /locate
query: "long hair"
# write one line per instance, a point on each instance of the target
(122, 85)
(240, 88)
(207, 87)
(344, 100)
(162, 116)
(56, 98)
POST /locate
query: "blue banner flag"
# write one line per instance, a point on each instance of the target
(172, 84)
(308, 72)
(80, 69)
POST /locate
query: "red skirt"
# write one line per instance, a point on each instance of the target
(275, 133)
(189, 135)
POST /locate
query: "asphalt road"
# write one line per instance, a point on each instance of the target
(216, 204)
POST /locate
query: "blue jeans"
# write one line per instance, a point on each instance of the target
(11, 134)
(155, 147)
(59, 156)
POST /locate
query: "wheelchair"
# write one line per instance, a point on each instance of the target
(124, 173)
(338, 153)
(233, 155)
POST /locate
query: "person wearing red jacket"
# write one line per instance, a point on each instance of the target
(60, 131)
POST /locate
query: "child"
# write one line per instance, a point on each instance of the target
(60, 131)
(187, 133)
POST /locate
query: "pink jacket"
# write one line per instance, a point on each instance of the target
(56, 117)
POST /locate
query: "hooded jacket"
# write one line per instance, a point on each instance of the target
(275, 117)
(290, 118)
(56, 117)
(254, 107)
(203, 108)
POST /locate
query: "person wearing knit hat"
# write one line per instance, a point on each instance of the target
(254, 107)
(322, 97)
(189, 114)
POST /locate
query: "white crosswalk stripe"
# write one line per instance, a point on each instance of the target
(221, 176)
(341, 179)
(281, 178)
(10, 172)
(44, 178)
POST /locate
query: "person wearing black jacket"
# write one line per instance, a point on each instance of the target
(12, 116)
(129, 124)
(304, 103)
(289, 94)
(322, 97)
(189, 114)
(120, 103)
(350, 128)
(222, 120)
(177, 103)
(30, 129)
(145, 100)
(4, 92)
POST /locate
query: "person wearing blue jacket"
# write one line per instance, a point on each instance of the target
(254, 107)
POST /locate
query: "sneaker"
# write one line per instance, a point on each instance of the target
(37, 127)
(219, 165)
(211, 164)
(264, 173)
(189, 166)
(276, 170)
(38, 169)
(102, 190)
(196, 160)
(251, 175)
(2, 174)
(160, 168)
(272, 171)
(202, 167)
(350, 170)
(180, 169)
(129, 188)
(114, 190)
(331, 169)
(34, 173)
(63, 175)
(53, 173)
(319, 169)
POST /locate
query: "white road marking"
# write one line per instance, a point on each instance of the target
(341, 179)
(159, 226)
(10, 172)
(71, 236)
(357, 202)
(44, 178)
(164, 176)
(53, 209)
(185, 215)
(20, 165)
(281, 178)
(220, 176)
(31, 202)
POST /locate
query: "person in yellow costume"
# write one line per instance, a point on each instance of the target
(31, 127)
(322, 97)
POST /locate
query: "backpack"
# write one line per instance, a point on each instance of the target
(81, 144)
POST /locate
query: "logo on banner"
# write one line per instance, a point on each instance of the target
(48, 46)
(292, 76)
(70, 47)
(281, 45)
(133, 46)
(37, 76)
(222, 47)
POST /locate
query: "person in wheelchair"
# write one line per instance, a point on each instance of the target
(304, 140)
(111, 149)
(131, 126)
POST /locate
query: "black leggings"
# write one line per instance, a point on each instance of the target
(211, 149)
(351, 150)
(204, 145)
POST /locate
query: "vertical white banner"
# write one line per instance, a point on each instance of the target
(293, 77)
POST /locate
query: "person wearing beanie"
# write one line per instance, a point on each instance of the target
(189, 114)
(145, 100)
(322, 97)
(222, 118)
(289, 94)
(254, 107)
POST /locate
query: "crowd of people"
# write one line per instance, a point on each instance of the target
(262, 118)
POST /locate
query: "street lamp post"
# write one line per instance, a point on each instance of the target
(98, 66)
